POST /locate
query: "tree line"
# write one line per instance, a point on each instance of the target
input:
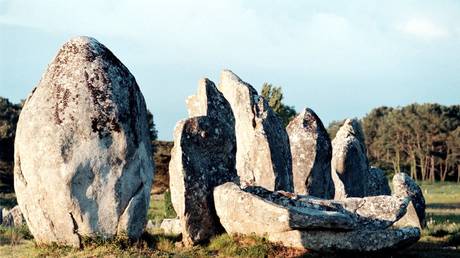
(422, 140)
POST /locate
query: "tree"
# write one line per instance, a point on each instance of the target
(334, 127)
(274, 96)
(9, 115)
(152, 127)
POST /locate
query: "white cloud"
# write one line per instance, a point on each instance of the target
(424, 29)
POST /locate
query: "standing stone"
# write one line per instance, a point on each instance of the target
(377, 183)
(83, 159)
(349, 161)
(404, 185)
(203, 157)
(13, 218)
(311, 152)
(263, 155)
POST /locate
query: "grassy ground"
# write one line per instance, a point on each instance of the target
(441, 238)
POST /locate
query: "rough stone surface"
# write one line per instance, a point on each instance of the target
(349, 161)
(353, 241)
(171, 226)
(404, 185)
(354, 224)
(311, 152)
(83, 159)
(203, 157)
(377, 183)
(405, 232)
(13, 217)
(243, 212)
(263, 155)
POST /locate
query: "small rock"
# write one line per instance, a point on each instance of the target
(171, 226)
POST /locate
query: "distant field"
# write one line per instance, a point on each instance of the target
(441, 238)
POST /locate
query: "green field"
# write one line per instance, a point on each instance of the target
(441, 238)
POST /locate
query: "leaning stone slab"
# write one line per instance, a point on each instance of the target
(244, 212)
(203, 157)
(404, 185)
(402, 234)
(376, 212)
(263, 156)
(311, 152)
(353, 241)
(349, 161)
(83, 158)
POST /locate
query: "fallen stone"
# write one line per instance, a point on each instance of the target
(171, 226)
(349, 161)
(355, 224)
(83, 158)
(402, 234)
(203, 157)
(263, 156)
(244, 212)
(311, 152)
(404, 185)
(352, 241)
(376, 212)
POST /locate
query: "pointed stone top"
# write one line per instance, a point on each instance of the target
(351, 128)
(227, 74)
(229, 80)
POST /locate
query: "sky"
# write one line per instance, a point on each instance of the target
(340, 58)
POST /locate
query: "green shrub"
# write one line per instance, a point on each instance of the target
(169, 211)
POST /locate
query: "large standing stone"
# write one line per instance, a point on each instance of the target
(203, 157)
(83, 159)
(349, 161)
(311, 152)
(263, 155)
(404, 185)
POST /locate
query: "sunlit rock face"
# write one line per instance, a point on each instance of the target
(263, 156)
(83, 163)
(353, 224)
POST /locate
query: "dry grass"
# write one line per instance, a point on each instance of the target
(441, 238)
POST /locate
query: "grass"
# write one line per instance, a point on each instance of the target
(441, 237)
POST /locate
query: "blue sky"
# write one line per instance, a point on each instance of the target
(340, 58)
